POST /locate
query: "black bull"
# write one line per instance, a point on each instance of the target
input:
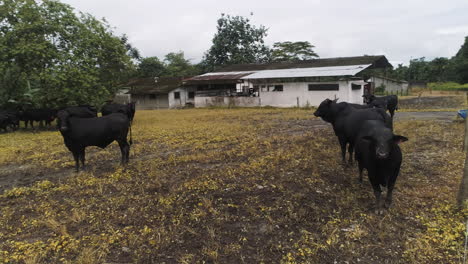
(78, 133)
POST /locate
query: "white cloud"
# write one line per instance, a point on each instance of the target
(456, 30)
(399, 29)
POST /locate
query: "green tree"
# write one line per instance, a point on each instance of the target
(178, 66)
(68, 57)
(459, 64)
(150, 67)
(236, 41)
(292, 51)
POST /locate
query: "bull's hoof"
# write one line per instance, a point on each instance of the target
(379, 211)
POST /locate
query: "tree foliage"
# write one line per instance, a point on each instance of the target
(66, 57)
(460, 64)
(419, 69)
(178, 66)
(236, 41)
(174, 65)
(439, 69)
(292, 51)
(150, 67)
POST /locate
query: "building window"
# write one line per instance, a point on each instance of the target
(278, 88)
(324, 87)
(191, 95)
(264, 88)
(355, 86)
(176, 95)
(152, 96)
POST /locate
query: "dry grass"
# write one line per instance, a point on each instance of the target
(229, 186)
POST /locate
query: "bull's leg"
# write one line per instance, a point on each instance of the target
(350, 151)
(391, 184)
(377, 190)
(361, 168)
(76, 155)
(392, 112)
(125, 150)
(26, 124)
(82, 158)
(343, 149)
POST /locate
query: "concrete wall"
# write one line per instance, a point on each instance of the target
(226, 101)
(183, 98)
(294, 94)
(390, 86)
(298, 94)
(144, 102)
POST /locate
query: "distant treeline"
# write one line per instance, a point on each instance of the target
(440, 69)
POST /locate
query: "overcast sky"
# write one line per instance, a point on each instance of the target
(398, 29)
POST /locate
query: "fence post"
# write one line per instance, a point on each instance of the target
(463, 190)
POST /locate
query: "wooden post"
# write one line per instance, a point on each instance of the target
(463, 191)
(465, 142)
(297, 98)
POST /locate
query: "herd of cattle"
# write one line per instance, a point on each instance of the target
(80, 126)
(367, 130)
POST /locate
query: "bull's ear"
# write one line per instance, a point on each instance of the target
(336, 100)
(399, 139)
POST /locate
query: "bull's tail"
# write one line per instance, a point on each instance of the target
(131, 140)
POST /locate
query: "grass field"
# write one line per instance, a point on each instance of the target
(228, 186)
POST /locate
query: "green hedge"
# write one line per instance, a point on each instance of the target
(448, 86)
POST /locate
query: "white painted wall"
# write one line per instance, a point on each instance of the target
(355, 96)
(144, 102)
(298, 94)
(294, 94)
(184, 97)
(390, 86)
(242, 101)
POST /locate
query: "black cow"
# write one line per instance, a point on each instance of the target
(83, 111)
(78, 133)
(39, 115)
(126, 109)
(9, 119)
(359, 106)
(347, 121)
(378, 152)
(389, 102)
(4, 123)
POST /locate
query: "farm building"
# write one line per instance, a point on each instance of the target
(380, 84)
(160, 93)
(286, 84)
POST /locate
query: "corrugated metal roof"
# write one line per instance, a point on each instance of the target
(308, 72)
(220, 76)
(378, 61)
(150, 85)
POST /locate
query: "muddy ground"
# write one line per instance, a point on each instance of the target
(232, 186)
(17, 175)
